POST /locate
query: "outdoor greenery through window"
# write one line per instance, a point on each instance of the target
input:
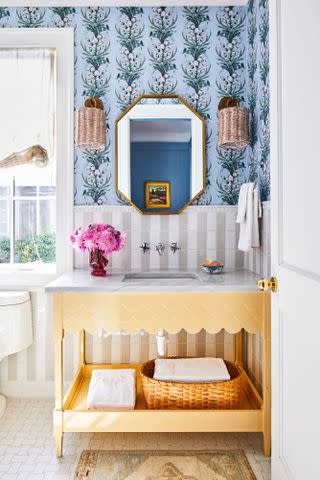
(27, 191)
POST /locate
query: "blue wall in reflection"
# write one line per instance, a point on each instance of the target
(163, 162)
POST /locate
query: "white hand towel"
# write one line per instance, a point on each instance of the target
(193, 370)
(245, 216)
(112, 389)
(257, 213)
(249, 212)
(242, 203)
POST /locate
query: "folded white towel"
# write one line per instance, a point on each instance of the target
(242, 203)
(112, 389)
(257, 213)
(249, 212)
(192, 370)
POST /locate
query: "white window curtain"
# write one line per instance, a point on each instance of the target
(27, 110)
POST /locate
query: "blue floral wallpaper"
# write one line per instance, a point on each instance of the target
(258, 94)
(201, 53)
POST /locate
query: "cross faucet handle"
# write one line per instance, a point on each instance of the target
(174, 247)
(144, 247)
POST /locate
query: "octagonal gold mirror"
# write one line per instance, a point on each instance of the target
(160, 154)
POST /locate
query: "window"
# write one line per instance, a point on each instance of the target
(36, 203)
(27, 193)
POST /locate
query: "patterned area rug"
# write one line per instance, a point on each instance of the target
(163, 465)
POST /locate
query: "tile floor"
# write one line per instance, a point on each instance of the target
(27, 445)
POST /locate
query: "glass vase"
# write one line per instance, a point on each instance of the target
(98, 262)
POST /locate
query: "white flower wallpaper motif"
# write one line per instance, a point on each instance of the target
(201, 53)
(162, 52)
(258, 94)
(231, 82)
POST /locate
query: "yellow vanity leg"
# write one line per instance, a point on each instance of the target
(57, 430)
(266, 332)
(239, 348)
(58, 340)
(82, 348)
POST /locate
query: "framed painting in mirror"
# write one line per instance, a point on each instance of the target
(157, 194)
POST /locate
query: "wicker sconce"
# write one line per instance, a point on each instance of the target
(233, 124)
(90, 125)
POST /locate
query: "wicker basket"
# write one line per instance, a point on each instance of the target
(233, 127)
(174, 395)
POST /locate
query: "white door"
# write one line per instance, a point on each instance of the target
(295, 174)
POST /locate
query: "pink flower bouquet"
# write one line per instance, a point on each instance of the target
(100, 240)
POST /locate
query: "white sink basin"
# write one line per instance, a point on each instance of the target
(156, 276)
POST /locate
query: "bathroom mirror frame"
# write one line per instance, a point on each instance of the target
(124, 149)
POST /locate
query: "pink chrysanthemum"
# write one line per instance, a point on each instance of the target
(98, 236)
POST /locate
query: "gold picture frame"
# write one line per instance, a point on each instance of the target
(157, 194)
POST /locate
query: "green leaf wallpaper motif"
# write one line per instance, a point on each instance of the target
(64, 16)
(231, 82)
(162, 52)
(31, 17)
(201, 53)
(96, 83)
(4, 12)
(252, 57)
(258, 94)
(229, 182)
(196, 75)
(230, 53)
(131, 59)
(196, 68)
(264, 133)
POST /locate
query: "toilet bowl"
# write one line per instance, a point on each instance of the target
(15, 325)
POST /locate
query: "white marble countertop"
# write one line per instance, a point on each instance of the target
(81, 281)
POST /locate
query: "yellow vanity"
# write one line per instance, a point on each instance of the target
(85, 304)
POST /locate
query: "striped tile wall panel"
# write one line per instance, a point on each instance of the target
(201, 232)
(125, 348)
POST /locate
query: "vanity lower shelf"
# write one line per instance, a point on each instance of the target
(76, 418)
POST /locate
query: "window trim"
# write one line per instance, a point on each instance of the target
(62, 40)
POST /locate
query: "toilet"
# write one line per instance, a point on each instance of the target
(15, 326)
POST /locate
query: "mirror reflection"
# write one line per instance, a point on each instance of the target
(160, 161)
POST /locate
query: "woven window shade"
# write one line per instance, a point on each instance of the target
(233, 127)
(90, 128)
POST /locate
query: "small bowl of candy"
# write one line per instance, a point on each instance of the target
(212, 267)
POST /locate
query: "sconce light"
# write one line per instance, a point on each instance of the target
(90, 125)
(233, 124)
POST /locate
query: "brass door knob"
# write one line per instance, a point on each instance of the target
(264, 284)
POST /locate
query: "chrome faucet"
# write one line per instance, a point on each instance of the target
(144, 247)
(160, 248)
(174, 247)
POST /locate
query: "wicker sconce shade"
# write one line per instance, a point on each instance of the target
(233, 127)
(90, 126)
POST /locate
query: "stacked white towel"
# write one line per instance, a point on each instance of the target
(112, 389)
(249, 212)
(190, 370)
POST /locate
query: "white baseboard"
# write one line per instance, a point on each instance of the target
(29, 389)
